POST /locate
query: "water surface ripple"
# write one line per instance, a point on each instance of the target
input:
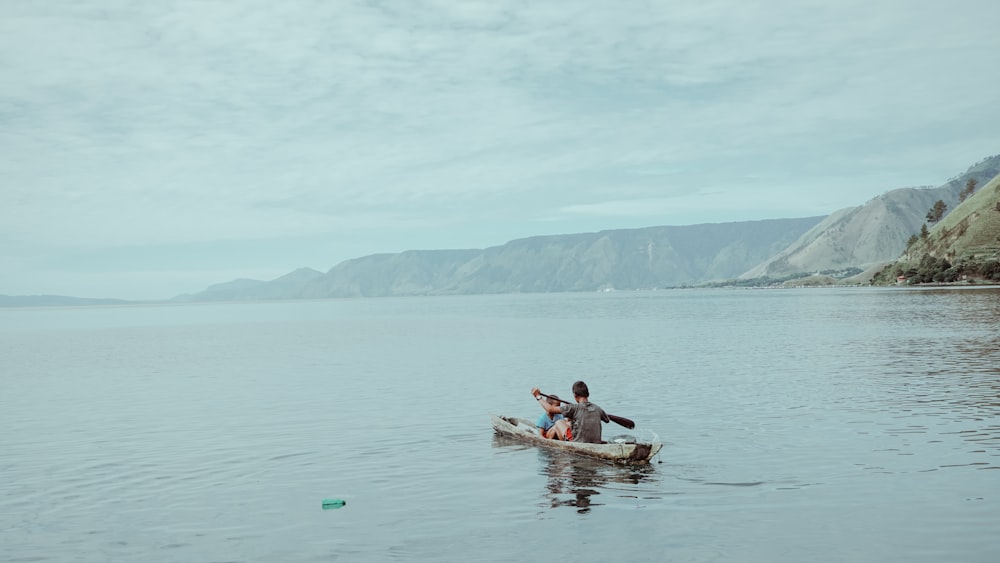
(800, 425)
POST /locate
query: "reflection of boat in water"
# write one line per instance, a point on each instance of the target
(578, 482)
(618, 451)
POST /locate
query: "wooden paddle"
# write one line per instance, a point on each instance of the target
(616, 419)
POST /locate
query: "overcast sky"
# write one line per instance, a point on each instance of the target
(149, 149)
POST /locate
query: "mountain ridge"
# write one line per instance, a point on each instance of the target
(643, 258)
(963, 247)
(852, 239)
(873, 233)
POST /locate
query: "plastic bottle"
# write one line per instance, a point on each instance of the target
(331, 503)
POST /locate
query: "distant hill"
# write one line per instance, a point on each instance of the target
(851, 245)
(872, 234)
(414, 272)
(55, 301)
(653, 257)
(963, 246)
(248, 290)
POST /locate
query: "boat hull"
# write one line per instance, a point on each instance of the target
(524, 430)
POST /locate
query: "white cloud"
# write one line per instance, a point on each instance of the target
(183, 121)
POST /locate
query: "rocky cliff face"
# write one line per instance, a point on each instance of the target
(873, 233)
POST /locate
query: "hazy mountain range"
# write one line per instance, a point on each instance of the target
(55, 301)
(855, 238)
(652, 257)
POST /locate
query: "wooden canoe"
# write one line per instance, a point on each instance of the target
(524, 430)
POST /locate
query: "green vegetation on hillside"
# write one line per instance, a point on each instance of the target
(970, 188)
(937, 212)
(940, 270)
(963, 247)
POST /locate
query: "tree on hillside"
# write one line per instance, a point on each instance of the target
(912, 240)
(937, 212)
(970, 188)
(923, 231)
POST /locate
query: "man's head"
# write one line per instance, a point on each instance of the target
(554, 400)
(580, 390)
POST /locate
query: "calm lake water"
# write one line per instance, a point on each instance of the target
(800, 425)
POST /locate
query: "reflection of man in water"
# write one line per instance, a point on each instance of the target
(547, 426)
(578, 482)
(573, 481)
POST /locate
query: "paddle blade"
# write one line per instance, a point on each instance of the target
(621, 420)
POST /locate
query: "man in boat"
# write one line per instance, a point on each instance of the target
(586, 417)
(548, 424)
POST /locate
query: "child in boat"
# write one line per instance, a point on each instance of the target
(548, 426)
(586, 416)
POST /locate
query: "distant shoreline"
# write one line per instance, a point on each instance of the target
(9, 302)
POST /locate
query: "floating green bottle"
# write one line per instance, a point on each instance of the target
(332, 503)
